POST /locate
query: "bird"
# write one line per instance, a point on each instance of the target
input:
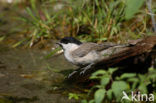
(85, 54)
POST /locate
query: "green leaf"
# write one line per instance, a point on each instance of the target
(143, 88)
(73, 95)
(134, 85)
(99, 72)
(118, 87)
(33, 4)
(127, 75)
(133, 80)
(142, 78)
(105, 81)
(132, 7)
(112, 70)
(18, 43)
(99, 95)
(29, 11)
(109, 94)
(102, 39)
(98, 86)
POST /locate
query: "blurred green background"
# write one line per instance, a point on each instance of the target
(33, 21)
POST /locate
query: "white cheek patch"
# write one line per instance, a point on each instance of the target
(70, 46)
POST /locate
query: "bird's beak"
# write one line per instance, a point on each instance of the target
(58, 43)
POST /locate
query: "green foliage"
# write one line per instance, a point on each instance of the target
(118, 87)
(102, 20)
(39, 23)
(73, 96)
(127, 75)
(126, 82)
(99, 95)
(132, 7)
(105, 77)
(100, 15)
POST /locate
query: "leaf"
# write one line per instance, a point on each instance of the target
(99, 72)
(127, 75)
(118, 87)
(33, 4)
(18, 43)
(142, 78)
(29, 11)
(112, 70)
(132, 7)
(98, 86)
(133, 80)
(109, 94)
(102, 39)
(73, 95)
(134, 85)
(143, 88)
(99, 95)
(105, 81)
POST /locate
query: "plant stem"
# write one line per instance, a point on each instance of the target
(151, 14)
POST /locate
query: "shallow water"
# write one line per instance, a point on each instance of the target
(26, 76)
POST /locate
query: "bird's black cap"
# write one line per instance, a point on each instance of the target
(67, 40)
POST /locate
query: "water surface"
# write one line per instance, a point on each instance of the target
(26, 76)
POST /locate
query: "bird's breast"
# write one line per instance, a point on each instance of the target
(82, 61)
(69, 57)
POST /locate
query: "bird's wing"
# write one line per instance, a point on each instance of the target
(104, 46)
(85, 48)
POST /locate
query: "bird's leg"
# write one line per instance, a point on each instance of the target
(71, 74)
(86, 68)
(75, 71)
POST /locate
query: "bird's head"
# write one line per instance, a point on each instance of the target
(69, 43)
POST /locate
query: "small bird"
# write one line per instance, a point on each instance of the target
(85, 54)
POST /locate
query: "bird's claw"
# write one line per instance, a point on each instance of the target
(85, 69)
(71, 74)
(82, 72)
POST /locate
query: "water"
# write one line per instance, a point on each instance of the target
(26, 76)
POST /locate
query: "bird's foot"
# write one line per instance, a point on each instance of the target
(86, 68)
(71, 74)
